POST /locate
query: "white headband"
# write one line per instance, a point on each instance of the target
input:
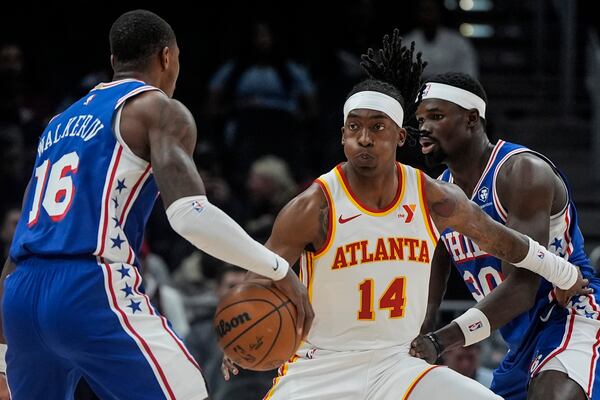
(461, 97)
(375, 101)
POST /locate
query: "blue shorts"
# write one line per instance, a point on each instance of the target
(563, 339)
(70, 318)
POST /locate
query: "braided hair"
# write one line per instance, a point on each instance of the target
(393, 70)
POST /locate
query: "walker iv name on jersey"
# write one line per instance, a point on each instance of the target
(80, 126)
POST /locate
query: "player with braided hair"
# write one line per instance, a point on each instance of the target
(365, 233)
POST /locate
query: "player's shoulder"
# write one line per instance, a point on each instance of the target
(155, 104)
(309, 201)
(525, 166)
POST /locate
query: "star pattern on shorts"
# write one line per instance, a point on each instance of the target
(128, 290)
(120, 185)
(124, 271)
(116, 201)
(117, 242)
(117, 223)
(135, 306)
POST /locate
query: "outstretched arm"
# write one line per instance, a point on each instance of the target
(170, 133)
(529, 213)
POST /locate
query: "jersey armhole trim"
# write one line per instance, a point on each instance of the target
(117, 131)
(431, 228)
(330, 220)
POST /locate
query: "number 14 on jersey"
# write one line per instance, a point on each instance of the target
(392, 299)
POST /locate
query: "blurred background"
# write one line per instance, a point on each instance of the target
(266, 82)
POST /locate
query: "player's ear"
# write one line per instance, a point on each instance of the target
(473, 118)
(164, 57)
(343, 136)
(401, 136)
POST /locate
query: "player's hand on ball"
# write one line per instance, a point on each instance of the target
(423, 347)
(227, 366)
(579, 288)
(291, 286)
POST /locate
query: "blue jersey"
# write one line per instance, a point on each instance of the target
(89, 194)
(483, 272)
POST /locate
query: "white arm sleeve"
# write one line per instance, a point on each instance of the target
(211, 230)
(554, 269)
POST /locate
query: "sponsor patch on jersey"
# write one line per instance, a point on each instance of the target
(407, 213)
(483, 193)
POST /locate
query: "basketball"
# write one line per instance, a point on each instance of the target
(256, 326)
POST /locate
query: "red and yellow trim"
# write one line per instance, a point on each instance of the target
(416, 380)
(281, 373)
(425, 209)
(363, 207)
(330, 219)
(309, 258)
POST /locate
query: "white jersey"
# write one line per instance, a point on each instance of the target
(369, 283)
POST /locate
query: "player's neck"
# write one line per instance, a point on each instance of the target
(467, 167)
(377, 190)
(140, 76)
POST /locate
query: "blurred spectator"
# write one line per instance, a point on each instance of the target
(595, 259)
(270, 186)
(9, 224)
(202, 343)
(87, 83)
(263, 99)
(466, 361)
(445, 50)
(166, 298)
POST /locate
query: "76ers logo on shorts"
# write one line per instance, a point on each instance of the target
(534, 363)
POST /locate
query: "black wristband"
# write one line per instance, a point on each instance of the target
(436, 343)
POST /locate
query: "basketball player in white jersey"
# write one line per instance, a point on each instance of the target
(365, 233)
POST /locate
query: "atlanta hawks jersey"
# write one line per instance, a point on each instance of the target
(482, 272)
(89, 193)
(369, 283)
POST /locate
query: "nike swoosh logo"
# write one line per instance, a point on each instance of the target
(545, 319)
(276, 267)
(342, 220)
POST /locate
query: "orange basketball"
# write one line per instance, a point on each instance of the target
(256, 326)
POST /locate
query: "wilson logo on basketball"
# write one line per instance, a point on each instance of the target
(224, 327)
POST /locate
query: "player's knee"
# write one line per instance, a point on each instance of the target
(554, 385)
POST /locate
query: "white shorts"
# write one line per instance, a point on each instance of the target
(384, 374)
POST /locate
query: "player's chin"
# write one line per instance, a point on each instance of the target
(364, 163)
(435, 158)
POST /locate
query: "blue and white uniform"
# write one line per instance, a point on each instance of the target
(75, 305)
(547, 336)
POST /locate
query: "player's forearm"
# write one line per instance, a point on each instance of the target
(515, 248)
(213, 231)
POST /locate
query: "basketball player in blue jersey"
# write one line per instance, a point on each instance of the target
(364, 233)
(74, 305)
(553, 350)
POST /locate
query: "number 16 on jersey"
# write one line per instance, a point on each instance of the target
(54, 188)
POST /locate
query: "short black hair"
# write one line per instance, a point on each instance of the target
(394, 70)
(137, 35)
(460, 80)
